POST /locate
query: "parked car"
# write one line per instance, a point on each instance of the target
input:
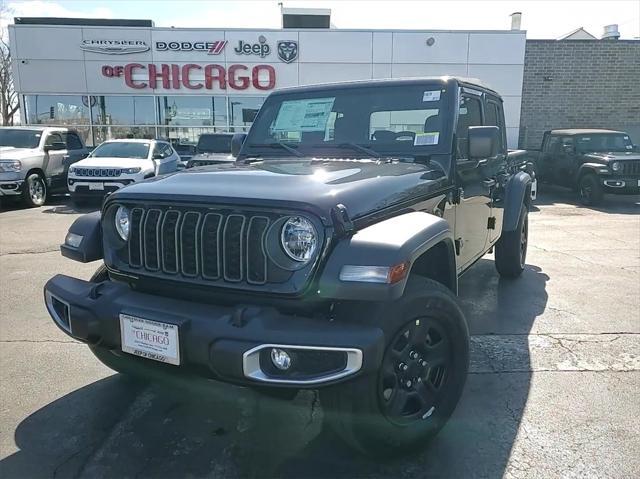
(117, 163)
(212, 149)
(185, 152)
(326, 257)
(34, 161)
(592, 162)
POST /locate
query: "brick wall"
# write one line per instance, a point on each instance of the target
(580, 84)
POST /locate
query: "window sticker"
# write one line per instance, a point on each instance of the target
(424, 139)
(304, 115)
(433, 95)
(629, 147)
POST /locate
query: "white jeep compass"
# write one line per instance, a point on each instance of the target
(117, 163)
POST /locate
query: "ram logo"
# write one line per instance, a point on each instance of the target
(287, 50)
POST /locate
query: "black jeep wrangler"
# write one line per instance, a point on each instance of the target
(325, 257)
(593, 162)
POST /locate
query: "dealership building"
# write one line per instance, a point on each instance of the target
(127, 78)
(111, 78)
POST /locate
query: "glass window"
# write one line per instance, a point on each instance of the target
(20, 138)
(186, 135)
(243, 110)
(122, 149)
(73, 142)
(604, 142)
(493, 118)
(469, 114)
(193, 110)
(123, 110)
(402, 125)
(57, 109)
(104, 133)
(53, 138)
(216, 143)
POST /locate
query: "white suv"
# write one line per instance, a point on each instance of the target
(117, 163)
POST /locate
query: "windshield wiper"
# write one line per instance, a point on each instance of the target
(277, 144)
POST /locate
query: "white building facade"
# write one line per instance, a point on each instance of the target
(119, 81)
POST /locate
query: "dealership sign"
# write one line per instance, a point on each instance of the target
(193, 76)
(212, 48)
(114, 47)
(262, 48)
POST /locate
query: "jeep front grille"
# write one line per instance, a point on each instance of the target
(98, 172)
(631, 168)
(200, 244)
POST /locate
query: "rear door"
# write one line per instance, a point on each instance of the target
(474, 210)
(54, 158)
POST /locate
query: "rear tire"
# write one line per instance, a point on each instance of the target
(382, 415)
(34, 191)
(511, 248)
(590, 190)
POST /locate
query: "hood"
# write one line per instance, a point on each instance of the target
(613, 156)
(108, 162)
(11, 153)
(362, 186)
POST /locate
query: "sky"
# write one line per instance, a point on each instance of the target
(541, 18)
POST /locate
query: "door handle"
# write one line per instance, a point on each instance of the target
(489, 183)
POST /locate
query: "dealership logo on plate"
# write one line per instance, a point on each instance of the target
(114, 47)
(287, 50)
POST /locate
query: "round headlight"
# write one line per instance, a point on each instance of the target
(122, 222)
(616, 166)
(299, 239)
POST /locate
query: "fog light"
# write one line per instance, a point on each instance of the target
(280, 359)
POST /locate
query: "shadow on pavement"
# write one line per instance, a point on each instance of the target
(119, 428)
(549, 195)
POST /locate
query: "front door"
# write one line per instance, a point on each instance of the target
(564, 161)
(54, 160)
(474, 209)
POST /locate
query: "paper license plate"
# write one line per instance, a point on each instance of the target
(150, 339)
(96, 186)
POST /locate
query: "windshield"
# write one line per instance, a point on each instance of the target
(20, 138)
(351, 122)
(214, 144)
(604, 142)
(121, 149)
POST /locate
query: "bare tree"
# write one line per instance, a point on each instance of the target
(8, 96)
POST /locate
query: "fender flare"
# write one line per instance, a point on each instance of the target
(516, 193)
(391, 242)
(587, 168)
(90, 248)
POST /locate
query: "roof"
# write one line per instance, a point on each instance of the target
(469, 82)
(584, 131)
(578, 34)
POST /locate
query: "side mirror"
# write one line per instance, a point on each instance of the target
(236, 143)
(567, 148)
(483, 142)
(158, 156)
(55, 146)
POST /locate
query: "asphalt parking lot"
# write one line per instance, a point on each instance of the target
(554, 388)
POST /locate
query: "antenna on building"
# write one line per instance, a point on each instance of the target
(516, 20)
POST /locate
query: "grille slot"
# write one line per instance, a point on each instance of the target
(211, 228)
(631, 168)
(188, 243)
(151, 240)
(135, 238)
(256, 256)
(232, 248)
(169, 243)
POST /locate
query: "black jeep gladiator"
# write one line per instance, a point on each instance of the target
(593, 162)
(325, 257)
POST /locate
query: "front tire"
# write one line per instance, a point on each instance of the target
(34, 193)
(511, 248)
(420, 380)
(590, 190)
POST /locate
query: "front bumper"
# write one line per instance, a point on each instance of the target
(83, 186)
(11, 188)
(215, 342)
(621, 185)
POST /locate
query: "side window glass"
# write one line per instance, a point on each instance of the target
(493, 118)
(468, 115)
(73, 142)
(567, 145)
(553, 146)
(53, 138)
(157, 151)
(167, 150)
